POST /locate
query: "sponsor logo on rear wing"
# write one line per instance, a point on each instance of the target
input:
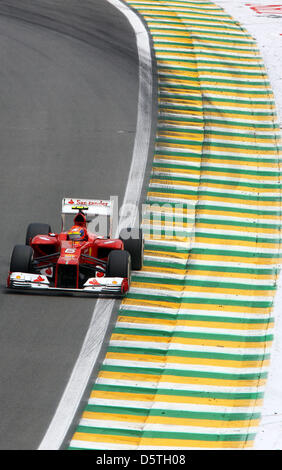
(91, 206)
(93, 209)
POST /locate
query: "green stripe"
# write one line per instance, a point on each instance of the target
(214, 284)
(239, 113)
(258, 240)
(238, 171)
(181, 334)
(203, 37)
(215, 133)
(224, 194)
(191, 354)
(220, 18)
(245, 254)
(199, 48)
(183, 178)
(222, 55)
(226, 80)
(203, 206)
(189, 6)
(82, 448)
(207, 88)
(209, 251)
(200, 267)
(231, 100)
(200, 251)
(223, 63)
(171, 413)
(195, 98)
(195, 19)
(191, 25)
(180, 393)
(171, 73)
(167, 217)
(183, 373)
(163, 435)
(165, 119)
(177, 232)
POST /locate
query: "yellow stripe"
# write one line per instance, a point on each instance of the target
(187, 360)
(212, 274)
(223, 104)
(186, 136)
(115, 439)
(246, 117)
(198, 137)
(215, 124)
(163, 62)
(239, 229)
(131, 397)
(269, 261)
(215, 174)
(202, 197)
(197, 42)
(203, 342)
(204, 55)
(176, 76)
(199, 148)
(179, 379)
(211, 184)
(170, 421)
(168, 238)
(206, 29)
(202, 289)
(238, 243)
(197, 323)
(195, 16)
(199, 443)
(272, 216)
(220, 227)
(216, 258)
(167, 52)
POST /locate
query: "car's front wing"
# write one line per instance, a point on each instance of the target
(94, 285)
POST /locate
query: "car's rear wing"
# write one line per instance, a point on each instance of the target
(91, 207)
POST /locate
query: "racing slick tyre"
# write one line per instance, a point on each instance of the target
(36, 229)
(21, 259)
(134, 243)
(119, 264)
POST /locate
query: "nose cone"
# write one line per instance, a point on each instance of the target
(70, 253)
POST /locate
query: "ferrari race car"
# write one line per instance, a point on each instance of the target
(77, 260)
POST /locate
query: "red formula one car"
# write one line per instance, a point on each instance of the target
(77, 260)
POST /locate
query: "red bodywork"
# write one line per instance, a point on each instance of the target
(74, 260)
(76, 255)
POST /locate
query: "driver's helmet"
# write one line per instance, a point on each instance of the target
(77, 233)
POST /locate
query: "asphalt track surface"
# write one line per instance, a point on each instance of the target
(69, 91)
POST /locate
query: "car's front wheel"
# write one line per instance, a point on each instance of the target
(119, 264)
(21, 259)
(133, 241)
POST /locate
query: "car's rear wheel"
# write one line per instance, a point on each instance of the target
(21, 259)
(119, 264)
(133, 241)
(36, 229)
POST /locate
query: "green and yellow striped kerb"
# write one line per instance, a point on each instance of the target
(187, 362)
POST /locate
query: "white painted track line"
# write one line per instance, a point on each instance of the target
(92, 344)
